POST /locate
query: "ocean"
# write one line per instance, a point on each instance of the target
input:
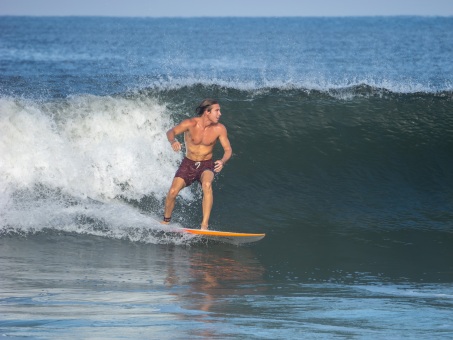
(342, 137)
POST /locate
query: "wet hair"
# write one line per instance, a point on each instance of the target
(205, 105)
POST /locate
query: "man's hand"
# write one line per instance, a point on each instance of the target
(176, 146)
(218, 165)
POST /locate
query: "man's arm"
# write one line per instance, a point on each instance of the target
(227, 150)
(177, 130)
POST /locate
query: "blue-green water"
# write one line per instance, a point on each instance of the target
(342, 131)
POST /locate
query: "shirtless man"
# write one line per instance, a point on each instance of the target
(200, 136)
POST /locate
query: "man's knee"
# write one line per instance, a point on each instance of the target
(207, 186)
(177, 185)
(172, 193)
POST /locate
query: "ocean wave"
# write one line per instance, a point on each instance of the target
(377, 153)
(40, 89)
(339, 90)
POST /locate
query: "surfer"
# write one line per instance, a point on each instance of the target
(200, 135)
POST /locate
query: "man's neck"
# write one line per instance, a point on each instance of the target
(205, 122)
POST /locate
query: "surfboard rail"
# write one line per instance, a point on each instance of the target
(226, 236)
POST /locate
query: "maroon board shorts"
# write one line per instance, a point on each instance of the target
(191, 171)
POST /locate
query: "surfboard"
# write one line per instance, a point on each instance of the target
(225, 236)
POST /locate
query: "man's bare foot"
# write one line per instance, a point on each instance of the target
(203, 227)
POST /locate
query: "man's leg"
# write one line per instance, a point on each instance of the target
(176, 186)
(206, 183)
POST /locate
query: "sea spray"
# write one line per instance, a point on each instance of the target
(62, 159)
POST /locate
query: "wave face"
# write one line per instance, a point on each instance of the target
(369, 162)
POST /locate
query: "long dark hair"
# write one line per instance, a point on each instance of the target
(205, 105)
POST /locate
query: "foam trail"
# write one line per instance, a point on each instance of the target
(114, 219)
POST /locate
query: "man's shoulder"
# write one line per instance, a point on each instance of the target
(220, 127)
(189, 122)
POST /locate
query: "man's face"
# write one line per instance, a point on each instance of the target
(215, 113)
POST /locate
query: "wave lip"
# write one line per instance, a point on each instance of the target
(308, 84)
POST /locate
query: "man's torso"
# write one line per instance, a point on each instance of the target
(200, 141)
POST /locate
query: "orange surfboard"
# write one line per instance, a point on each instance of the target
(225, 236)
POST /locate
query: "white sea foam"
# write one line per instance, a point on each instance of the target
(58, 160)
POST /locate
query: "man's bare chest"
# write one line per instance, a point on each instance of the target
(205, 137)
